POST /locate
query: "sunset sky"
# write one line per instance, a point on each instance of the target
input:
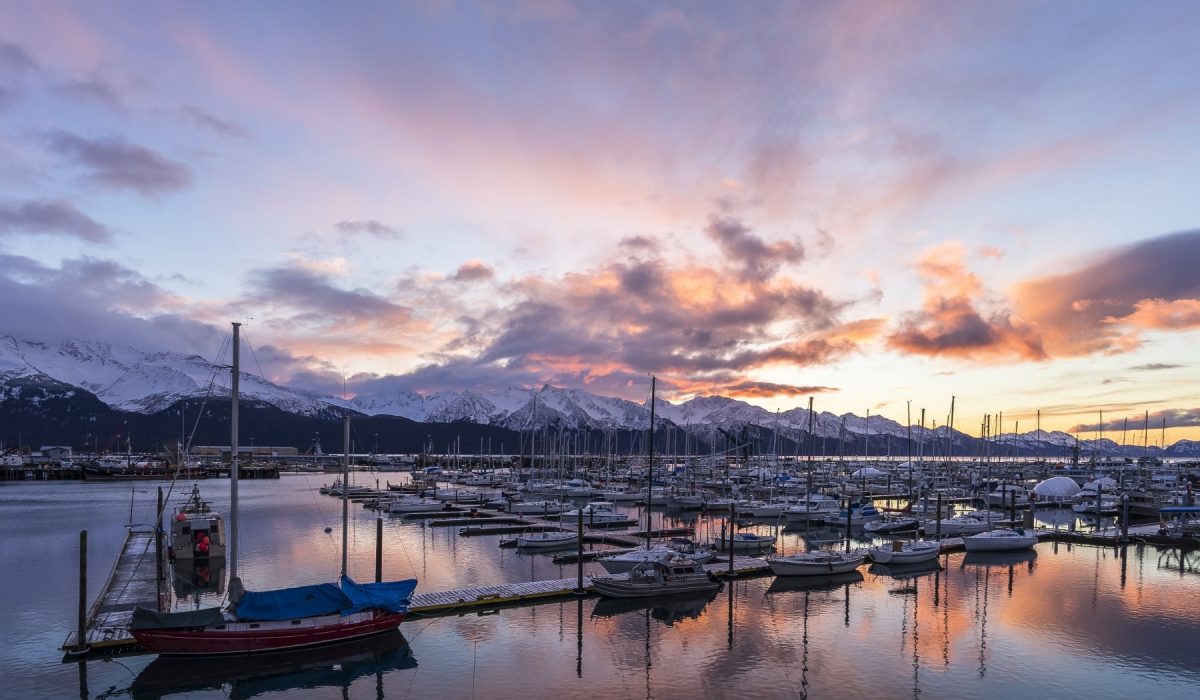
(871, 203)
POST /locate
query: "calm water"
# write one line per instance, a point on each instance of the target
(1070, 621)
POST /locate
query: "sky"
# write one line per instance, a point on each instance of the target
(877, 204)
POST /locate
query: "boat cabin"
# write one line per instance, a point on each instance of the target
(197, 531)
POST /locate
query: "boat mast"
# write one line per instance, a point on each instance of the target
(650, 487)
(233, 461)
(345, 488)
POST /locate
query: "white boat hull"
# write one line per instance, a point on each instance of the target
(799, 565)
(986, 542)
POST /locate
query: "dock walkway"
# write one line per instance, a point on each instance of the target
(131, 583)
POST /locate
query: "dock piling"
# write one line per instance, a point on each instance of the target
(379, 547)
(579, 589)
(81, 638)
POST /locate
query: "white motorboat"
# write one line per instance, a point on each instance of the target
(815, 508)
(686, 501)
(1108, 505)
(624, 561)
(1008, 494)
(905, 552)
(413, 504)
(655, 578)
(999, 541)
(747, 542)
(892, 523)
(817, 563)
(595, 512)
(961, 525)
(547, 540)
(578, 488)
(614, 496)
(773, 508)
(537, 507)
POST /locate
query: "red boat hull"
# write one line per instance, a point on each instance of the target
(211, 641)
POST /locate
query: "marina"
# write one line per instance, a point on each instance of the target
(551, 583)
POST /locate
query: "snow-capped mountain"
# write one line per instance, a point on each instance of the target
(131, 380)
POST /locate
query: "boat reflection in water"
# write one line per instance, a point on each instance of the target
(332, 666)
(784, 584)
(1000, 558)
(197, 577)
(667, 609)
(905, 571)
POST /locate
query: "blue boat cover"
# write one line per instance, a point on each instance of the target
(291, 603)
(392, 596)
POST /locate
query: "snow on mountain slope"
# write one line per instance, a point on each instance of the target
(131, 380)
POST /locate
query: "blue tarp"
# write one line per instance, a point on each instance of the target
(392, 596)
(291, 603)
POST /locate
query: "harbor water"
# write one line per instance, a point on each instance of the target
(1063, 620)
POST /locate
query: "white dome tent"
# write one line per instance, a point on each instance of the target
(1056, 489)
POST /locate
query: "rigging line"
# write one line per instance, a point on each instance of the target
(250, 345)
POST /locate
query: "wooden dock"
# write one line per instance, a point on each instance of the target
(132, 583)
(465, 599)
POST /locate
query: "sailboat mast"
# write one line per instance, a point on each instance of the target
(650, 487)
(345, 488)
(235, 371)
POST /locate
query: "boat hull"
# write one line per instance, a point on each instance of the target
(784, 567)
(623, 588)
(212, 641)
(999, 544)
(883, 555)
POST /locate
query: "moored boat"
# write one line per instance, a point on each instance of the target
(816, 563)
(656, 578)
(905, 552)
(1002, 540)
(547, 540)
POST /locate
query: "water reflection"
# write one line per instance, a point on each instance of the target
(248, 676)
(666, 609)
(785, 584)
(905, 571)
(193, 579)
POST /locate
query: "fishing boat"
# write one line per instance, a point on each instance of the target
(816, 508)
(281, 619)
(197, 531)
(818, 562)
(1001, 540)
(905, 552)
(657, 578)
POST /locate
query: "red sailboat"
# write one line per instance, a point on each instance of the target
(289, 618)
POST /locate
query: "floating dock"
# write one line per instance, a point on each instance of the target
(132, 583)
(464, 599)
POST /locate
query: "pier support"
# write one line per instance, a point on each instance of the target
(379, 547)
(939, 516)
(81, 636)
(579, 589)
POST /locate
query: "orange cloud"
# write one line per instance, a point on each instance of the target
(950, 324)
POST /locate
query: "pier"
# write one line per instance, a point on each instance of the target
(133, 582)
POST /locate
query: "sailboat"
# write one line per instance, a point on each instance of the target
(654, 571)
(276, 620)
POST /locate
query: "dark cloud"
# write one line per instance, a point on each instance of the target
(93, 88)
(52, 217)
(313, 299)
(118, 164)
(1175, 418)
(1154, 367)
(474, 271)
(1102, 305)
(639, 244)
(949, 322)
(758, 258)
(767, 390)
(219, 126)
(15, 59)
(369, 227)
(96, 300)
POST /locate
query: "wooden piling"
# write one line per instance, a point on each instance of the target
(81, 638)
(379, 548)
(579, 589)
